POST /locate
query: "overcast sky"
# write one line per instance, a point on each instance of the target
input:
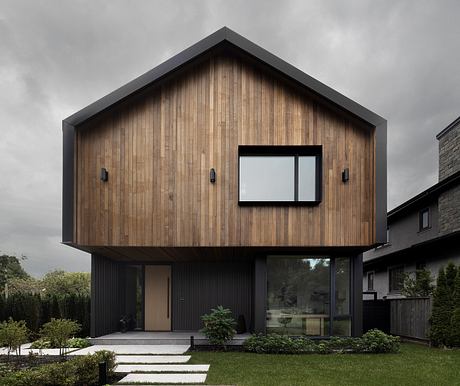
(398, 58)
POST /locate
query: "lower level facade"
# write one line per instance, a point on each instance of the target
(315, 295)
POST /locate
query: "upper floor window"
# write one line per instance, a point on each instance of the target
(279, 174)
(424, 219)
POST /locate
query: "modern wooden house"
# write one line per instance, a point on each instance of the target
(225, 176)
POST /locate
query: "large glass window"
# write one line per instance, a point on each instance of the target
(279, 174)
(299, 295)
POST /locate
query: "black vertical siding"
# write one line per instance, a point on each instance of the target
(260, 294)
(106, 293)
(199, 286)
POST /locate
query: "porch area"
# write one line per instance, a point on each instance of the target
(160, 338)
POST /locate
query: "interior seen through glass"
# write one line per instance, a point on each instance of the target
(299, 296)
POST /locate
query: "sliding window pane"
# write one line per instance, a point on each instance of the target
(342, 319)
(265, 178)
(298, 295)
(307, 178)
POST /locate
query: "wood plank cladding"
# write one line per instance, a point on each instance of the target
(159, 147)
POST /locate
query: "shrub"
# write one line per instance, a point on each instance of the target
(278, 344)
(374, 341)
(41, 344)
(441, 312)
(82, 370)
(219, 326)
(59, 331)
(13, 334)
(78, 343)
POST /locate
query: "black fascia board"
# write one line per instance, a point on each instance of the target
(225, 35)
(449, 127)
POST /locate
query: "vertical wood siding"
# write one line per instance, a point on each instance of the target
(159, 148)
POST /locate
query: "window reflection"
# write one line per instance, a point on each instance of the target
(298, 295)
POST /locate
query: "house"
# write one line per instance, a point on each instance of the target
(423, 232)
(225, 176)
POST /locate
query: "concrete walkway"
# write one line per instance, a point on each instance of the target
(147, 364)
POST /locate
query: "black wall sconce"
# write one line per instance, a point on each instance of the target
(104, 175)
(345, 175)
(212, 176)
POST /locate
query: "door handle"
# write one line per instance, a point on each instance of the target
(167, 299)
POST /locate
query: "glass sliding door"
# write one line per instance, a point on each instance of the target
(300, 298)
(298, 295)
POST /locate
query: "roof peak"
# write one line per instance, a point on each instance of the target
(224, 34)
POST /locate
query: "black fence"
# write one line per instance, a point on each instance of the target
(376, 314)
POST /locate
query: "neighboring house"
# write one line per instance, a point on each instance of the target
(225, 176)
(423, 232)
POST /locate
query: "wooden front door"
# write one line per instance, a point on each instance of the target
(157, 298)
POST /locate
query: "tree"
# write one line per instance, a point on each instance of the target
(418, 285)
(13, 334)
(60, 283)
(455, 320)
(10, 268)
(58, 332)
(24, 285)
(441, 312)
(451, 273)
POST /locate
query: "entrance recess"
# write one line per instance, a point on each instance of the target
(157, 298)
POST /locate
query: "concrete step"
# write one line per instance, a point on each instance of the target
(143, 349)
(146, 368)
(152, 359)
(164, 378)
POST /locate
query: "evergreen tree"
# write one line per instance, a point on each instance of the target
(451, 274)
(441, 312)
(455, 320)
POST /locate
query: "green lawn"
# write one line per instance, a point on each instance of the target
(416, 365)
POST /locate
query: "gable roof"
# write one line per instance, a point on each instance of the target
(224, 35)
(218, 38)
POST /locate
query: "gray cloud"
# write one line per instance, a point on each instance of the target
(399, 59)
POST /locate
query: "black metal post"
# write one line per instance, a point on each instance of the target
(192, 343)
(102, 373)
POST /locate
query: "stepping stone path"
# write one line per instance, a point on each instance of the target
(147, 364)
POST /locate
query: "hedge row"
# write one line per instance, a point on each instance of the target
(373, 341)
(36, 310)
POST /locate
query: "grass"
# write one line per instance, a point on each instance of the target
(416, 365)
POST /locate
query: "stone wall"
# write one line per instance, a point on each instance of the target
(449, 210)
(449, 152)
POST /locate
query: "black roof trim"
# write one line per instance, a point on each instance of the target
(453, 236)
(224, 35)
(448, 128)
(432, 191)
